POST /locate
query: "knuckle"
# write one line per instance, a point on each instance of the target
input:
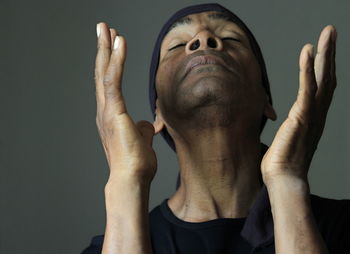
(108, 129)
(308, 69)
(107, 80)
(101, 45)
(110, 94)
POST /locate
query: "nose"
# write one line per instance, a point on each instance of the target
(204, 40)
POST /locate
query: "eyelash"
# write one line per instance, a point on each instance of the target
(183, 44)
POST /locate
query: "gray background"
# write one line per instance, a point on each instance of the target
(53, 168)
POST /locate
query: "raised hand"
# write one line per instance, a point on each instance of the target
(292, 150)
(128, 146)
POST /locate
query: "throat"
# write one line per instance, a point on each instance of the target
(202, 209)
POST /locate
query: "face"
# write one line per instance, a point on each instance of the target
(207, 66)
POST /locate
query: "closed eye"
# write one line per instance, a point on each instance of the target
(182, 44)
(229, 38)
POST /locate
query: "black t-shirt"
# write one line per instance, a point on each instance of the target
(214, 236)
(253, 234)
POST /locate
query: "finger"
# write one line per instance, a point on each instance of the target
(113, 34)
(307, 82)
(101, 63)
(333, 69)
(324, 69)
(147, 130)
(114, 102)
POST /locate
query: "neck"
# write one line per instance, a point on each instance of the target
(220, 176)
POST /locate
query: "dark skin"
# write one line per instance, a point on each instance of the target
(213, 114)
(220, 160)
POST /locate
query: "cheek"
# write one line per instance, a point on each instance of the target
(256, 79)
(158, 83)
(162, 79)
(253, 72)
(165, 74)
(256, 72)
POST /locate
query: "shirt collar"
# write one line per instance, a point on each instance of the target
(258, 227)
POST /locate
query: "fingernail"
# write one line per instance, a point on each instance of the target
(98, 30)
(116, 42)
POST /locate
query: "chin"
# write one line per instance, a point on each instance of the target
(217, 86)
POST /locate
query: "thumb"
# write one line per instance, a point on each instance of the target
(147, 130)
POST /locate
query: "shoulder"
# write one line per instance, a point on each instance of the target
(159, 223)
(95, 246)
(328, 208)
(319, 199)
(155, 213)
(333, 219)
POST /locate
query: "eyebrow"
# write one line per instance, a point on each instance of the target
(212, 16)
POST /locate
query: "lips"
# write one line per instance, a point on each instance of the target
(202, 60)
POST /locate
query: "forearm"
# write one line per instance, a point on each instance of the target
(295, 227)
(127, 225)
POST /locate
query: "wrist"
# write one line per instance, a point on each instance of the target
(127, 180)
(293, 183)
(123, 195)
(285, 189)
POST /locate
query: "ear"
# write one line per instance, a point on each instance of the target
(158, 122)
(269, 111)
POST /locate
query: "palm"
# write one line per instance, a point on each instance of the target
(128, 146)
(296, 140)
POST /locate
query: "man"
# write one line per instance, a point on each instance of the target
(210, 97)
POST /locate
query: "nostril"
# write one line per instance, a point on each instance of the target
(211, 42)
(194, 45)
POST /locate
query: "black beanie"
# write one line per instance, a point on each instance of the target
(156, 52)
